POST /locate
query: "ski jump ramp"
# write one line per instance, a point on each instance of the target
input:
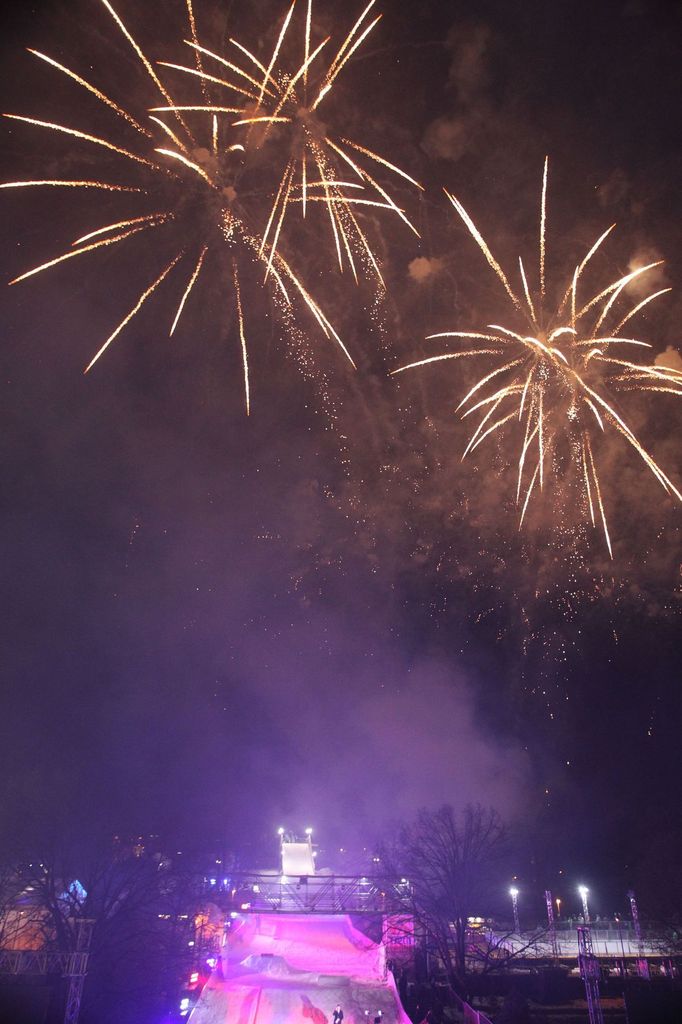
(294, 969)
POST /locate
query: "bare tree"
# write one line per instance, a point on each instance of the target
(451, 868)
(143, 911)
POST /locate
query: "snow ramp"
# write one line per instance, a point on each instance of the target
(294, 969)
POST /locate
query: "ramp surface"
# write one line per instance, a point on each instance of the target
(294, 969)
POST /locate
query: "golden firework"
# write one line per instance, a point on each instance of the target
(554, 374)
(189, 161)
(278, 107)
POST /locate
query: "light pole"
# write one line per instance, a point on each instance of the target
(583, 890)
(514, 893)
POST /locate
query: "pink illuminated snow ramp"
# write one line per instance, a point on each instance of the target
(294, 969)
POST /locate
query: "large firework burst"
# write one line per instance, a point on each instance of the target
(187, 177)
(553, 375)
(278, 106)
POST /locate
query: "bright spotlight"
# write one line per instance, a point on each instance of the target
(513, 892)
(308, 831)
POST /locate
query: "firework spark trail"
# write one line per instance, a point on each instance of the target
(242, 338)
(180, 172)
(558, 376)
(345, 52)
(85, 137)
(145, 62)
(543, 227)
(95, 92)
(120, 224)
(205, 77)
(170, 133)
(79, 252)
(225, 63)
(188, 289)
(58, 182)
(197, 168)
(133, 312)
(197, 54)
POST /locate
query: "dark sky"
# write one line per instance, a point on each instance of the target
(212, 624)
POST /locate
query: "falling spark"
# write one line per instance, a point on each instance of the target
(557, 376)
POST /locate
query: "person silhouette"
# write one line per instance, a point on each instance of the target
(337, 1016)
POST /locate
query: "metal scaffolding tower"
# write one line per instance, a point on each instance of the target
(73, 966)
(551, 924)
(590, 973)
(77, 968)
(642, 962)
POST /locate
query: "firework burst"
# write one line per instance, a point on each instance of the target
(548, 381)
(187, 162)
(277, 107)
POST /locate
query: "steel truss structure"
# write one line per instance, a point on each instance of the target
(590, 972)
(322, 894)
(73, 965)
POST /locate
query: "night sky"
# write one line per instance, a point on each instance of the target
(214, 624)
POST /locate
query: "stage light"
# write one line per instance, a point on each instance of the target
(514, 893)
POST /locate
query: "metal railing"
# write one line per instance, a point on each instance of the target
(322, 894)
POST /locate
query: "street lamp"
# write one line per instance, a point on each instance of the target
(514, 893)
(583, 890)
